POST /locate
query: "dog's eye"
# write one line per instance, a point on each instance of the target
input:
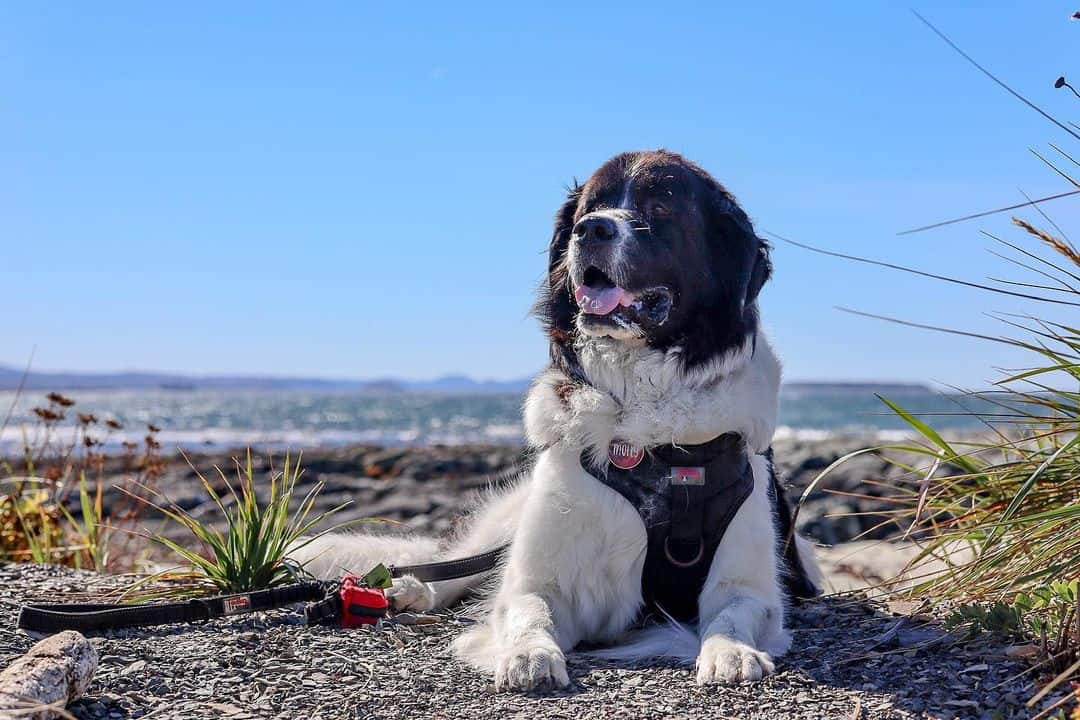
(659, 210)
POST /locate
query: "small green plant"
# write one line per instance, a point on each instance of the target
(1048, 612)
(251, 552)
(91, 532)
(1000, 618)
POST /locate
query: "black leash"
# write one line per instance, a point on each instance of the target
(451, 569)
(52, 618)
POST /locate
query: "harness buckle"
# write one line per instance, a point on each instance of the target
(680, 563)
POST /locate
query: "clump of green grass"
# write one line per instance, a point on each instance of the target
(31, 527)
(997, 517)
(1001, 515)
(251, 552)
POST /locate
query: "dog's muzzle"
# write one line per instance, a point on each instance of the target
(598, 272)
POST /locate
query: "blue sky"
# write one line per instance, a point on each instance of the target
(366, 189)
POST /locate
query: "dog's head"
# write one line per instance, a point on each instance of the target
(651, 249)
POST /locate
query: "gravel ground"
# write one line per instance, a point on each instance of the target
(849, 661)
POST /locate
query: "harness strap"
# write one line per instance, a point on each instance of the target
(50, 618)
(685, 543)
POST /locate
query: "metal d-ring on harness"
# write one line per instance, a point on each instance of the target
(679, 563)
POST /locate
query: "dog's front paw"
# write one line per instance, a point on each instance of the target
(531, 667)
(726, 662)
(408, 593)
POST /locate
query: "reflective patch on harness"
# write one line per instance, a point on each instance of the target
(687, 476)
(238, 604)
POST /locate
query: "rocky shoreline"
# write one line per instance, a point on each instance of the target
(425, 488)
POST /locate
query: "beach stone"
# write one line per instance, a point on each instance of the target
(56, 670)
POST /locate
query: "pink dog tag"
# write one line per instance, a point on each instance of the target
(625, 456)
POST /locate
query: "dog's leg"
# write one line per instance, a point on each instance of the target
(730, 640)
(741, 607)
(529, 628)
(532, 654)
(570, 576)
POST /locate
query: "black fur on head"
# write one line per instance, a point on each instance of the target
(658, 235)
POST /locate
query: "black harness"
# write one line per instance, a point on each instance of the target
(687, 496)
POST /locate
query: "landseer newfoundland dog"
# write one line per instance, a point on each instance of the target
(652, 507)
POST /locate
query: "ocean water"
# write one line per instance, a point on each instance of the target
(203, 419)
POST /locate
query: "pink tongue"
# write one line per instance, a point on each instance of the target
(598, 301)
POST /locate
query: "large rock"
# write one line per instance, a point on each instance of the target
(43, 681)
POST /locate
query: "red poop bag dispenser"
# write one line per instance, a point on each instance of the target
(360, 605)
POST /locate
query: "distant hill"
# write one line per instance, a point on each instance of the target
(10, 378)
(862, 386)
(449, 384)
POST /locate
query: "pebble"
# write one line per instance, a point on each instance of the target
(136, 667)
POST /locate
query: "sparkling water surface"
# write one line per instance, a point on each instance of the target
(300, 419)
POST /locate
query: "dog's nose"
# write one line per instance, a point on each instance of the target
(595, 228)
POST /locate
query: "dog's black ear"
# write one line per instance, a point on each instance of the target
(740, 267)
(740, 248)
(555, 305)
(761, 272)
(564, 226)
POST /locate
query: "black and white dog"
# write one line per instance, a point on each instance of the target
(653, 491)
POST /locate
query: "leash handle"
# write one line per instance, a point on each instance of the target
(52, 618)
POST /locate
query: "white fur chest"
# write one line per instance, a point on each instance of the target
(642, 396)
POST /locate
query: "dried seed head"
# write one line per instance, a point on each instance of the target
(1056, 243)
(48, 415)
(57, 398)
